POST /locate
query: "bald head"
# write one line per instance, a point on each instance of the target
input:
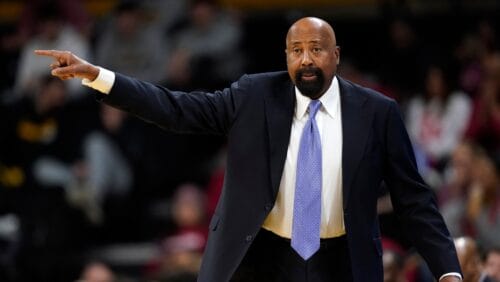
(312, 56)
(311, 25)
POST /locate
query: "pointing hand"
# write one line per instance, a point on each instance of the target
(66, 65)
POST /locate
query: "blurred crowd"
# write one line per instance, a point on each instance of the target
(89, 193)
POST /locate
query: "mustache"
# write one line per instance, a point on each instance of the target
(308, 70)
(310, 88)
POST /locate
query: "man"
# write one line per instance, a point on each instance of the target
(300, 191)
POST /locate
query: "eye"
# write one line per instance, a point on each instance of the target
(296, 51)
(316, 49)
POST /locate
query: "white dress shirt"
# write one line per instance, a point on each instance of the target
(103, 82)
(329, 124)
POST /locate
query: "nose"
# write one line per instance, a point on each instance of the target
(306, 59)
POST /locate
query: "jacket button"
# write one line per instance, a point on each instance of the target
(268, 207)
(248, 238)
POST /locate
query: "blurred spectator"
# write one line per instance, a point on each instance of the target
(31, 127)
(184, 248)
(483, 206)
(458, 178)
(165, 15)
(437, 119)
(492, 264)
(53, 33)
(102, 172)
(129, 46)
(470, 262)
(50, 230)
(108, 170)
(206, 52)
(27, 25)
(473, 49)
(469, 53)
(484, 126)
(487, 35)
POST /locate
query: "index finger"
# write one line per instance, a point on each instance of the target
(50, 53)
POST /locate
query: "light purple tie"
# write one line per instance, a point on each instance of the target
(307, 202)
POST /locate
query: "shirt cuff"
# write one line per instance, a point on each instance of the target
(456, 274)
(103, 82)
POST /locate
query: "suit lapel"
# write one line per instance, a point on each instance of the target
(279, 108)
(355, 129)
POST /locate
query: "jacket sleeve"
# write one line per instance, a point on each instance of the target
(414, 202)
(182, 112)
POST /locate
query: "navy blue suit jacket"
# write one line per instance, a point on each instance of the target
(255, 114)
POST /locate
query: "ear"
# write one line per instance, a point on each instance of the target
(337, 54)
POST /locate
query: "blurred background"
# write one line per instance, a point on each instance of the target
(89, 193)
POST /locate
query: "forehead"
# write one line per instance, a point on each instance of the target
(309, 34)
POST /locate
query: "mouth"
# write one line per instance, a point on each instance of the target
(309, 76)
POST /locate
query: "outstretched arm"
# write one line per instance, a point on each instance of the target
(195, 112)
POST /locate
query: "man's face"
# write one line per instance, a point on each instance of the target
(312, 57)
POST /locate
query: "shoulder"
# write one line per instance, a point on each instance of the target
(269, 77)
(360, 92)
(263, 82)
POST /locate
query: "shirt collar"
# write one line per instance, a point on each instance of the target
(329, 100)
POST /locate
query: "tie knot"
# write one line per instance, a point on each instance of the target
(313, 108)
